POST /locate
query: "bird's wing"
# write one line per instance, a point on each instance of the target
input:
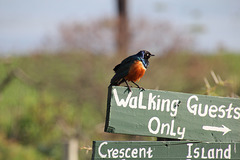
(128, 60)
(116, 67)
(122, 69)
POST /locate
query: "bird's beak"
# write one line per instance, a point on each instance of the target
(152, 55)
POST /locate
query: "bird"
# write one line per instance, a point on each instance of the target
(131, 69)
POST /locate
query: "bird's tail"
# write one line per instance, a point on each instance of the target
(116, 82)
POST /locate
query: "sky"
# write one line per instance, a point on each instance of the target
(25, 23)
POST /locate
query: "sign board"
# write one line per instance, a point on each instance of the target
(173, 115)
(164, 150)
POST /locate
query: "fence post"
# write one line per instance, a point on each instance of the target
(71, 149)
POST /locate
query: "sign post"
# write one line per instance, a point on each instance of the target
(173, 115)
(211, 125)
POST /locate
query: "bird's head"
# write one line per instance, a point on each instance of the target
(144, 54)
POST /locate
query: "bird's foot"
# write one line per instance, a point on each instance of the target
(138, 86)
(141, 88)
(129, 89)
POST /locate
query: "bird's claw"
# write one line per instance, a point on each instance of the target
(129, 89)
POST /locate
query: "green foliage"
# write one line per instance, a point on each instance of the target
(52, 97)
(13, 150)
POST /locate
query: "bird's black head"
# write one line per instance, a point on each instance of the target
(145, 54)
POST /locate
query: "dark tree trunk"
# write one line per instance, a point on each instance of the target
(122, 34)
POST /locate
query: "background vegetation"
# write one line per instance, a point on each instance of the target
(45, 99)
(59, 91)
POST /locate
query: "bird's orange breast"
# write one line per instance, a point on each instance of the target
(136, 71)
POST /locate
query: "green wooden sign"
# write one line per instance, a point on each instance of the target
(173, 115)
(164, 150)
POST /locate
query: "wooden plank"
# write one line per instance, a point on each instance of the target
(173, 115)
(164, 150)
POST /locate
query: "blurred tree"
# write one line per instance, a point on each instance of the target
(122, 34)
(99, 36)
(96, 36)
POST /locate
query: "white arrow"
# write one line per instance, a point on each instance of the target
(223, 129)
